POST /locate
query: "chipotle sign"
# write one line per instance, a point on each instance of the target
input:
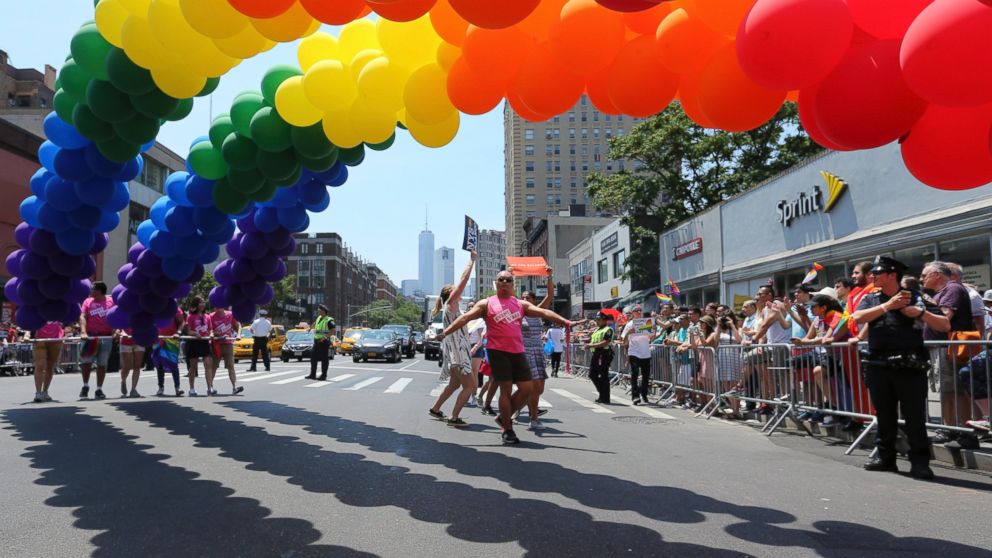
(691, 248)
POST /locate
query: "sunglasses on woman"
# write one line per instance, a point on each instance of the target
(504, 280)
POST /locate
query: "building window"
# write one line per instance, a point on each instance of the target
(529, 134)
(571, 133)
(152, 175)
(557, 149)
(529, 166)
(532, 214)
(595, 133)
(585, 116)
(618, 260)
(585, 149)
(557, 166)
(585, 165)
(548, 183)
(548, 148)
(602, 271)
(608, 118)
(557, 182)
(584, 133)
(530, 199)
(557, 133)
(305, 249)
(136, 214)
(571, 149)
(608, 132)
(574, 184)
(584, 101)
(596, 166)
(319, 267)
(529, 150)
(572, 164)
(320, 249)
(556, 119)
(571, 116)
(530, 182)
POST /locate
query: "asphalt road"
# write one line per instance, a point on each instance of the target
(356, 467)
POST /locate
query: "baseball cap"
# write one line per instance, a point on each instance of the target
(636, 308)
(988, 296)
(604, 316)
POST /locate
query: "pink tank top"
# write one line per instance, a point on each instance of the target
(503, 325)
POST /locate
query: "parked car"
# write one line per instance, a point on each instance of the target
(377, 343)
(419, 338)
(405, 335)
(351, 335)
(242, 347)
(298, 344)
(432, 346)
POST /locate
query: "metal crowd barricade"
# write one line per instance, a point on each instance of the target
(69, 360)
(16, 359)
(765, 378)
(960, 376)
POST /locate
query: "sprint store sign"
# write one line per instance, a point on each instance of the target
(810, 202)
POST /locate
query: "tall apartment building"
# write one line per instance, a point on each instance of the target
(425, 271)
(385, 289)
(444, 268)
(410, 287)
(492, 258)
(547, 163)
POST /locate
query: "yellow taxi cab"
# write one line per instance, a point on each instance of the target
(347, 343)
(242, 347)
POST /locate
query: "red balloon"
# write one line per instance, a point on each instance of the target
(807, 102)
(951, 148)
(401, 10)
(262, 9)
(490, 14)
(471, 92)
(638, 85)
(544, 85)
(864, 102)
(886, 19)
(629, 5)
(791, 44)
(947, 53)
(338, 12)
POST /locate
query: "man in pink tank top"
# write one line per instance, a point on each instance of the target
(505, 346)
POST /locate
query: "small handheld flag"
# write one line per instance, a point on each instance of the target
(675, 288)
(811, 276)
(665, 299)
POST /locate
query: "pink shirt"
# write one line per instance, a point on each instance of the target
(51, 330)
(172, 328)
(503, 322)
(96, 316)
(128, 340)
(197, 324)
(222, 326)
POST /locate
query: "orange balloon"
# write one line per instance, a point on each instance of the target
(689, 99)
(448, 24)
(492, 14)
(538, 23)
(684, 42)
(497, 53)
(587, 36)
(637, 84)
(723, 16)
(544, 85)
(597, 89)
(525, 111)
(292, 24)
(400, 10)
(471, 92)
(337, 12)
(730, 99)
(647, 22)
(792, 96)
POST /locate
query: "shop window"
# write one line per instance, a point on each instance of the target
(971, 253)
(915, 258)
(602, 271)
(618, 261)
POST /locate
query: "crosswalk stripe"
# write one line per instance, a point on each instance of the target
(654, 413)
(399, 385)
(272, 375)
(543, 404)
(288, 381)
(585, 403)
(340, 378)
(363, 383)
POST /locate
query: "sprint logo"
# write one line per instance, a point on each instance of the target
(835, 187)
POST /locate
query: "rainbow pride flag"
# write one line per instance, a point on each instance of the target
(811, 276)
(665, 299)
(675, 288)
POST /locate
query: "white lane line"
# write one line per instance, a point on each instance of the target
(541, 403)
(437, 391)
(585, 403)
(272, 375)
(399, 385)
(329, 381)
(415, 361)
(363, 383)
(289, 381)
(654, 413)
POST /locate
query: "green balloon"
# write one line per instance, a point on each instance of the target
(321, 164)
(382, 146)
(227, 199)
(220, 128)
(269, 131)
(209, 88)
(278, 165)
(182, 111)
(207, 161)
(400, 125)
(126, 75)
(108, 102)
(64, 104)
(91, 125)
(154, 104)
(352, 156)
(245, 181)
(265, 193)
(138, 129)
(243, 109)
(90, 50)
(239, 152)
(118, 150)
(75, 80)
(291, 179)
(311, 141)
(274, 78)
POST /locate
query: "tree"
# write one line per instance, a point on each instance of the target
(284, 290)
(682, 169)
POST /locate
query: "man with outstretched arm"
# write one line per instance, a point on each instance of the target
(503, 314)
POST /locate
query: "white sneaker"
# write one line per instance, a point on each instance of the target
(472, 402)
(192, 392)
(134, 393)
(828, 420)
(160, 392)
(536, 425)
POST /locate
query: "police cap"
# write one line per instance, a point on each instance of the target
(885, 264)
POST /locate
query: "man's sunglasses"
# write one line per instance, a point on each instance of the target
(504, 280)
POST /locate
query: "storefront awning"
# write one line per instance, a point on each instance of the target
(638, 297)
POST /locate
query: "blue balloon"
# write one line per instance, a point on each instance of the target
(131, 169)
(293, 218)
(209, 220)
(312, 192)
(247, 211)
(175, 187)
(211, 253)
(54, 220)
(46, 155)
(158, 212)
(145, 230)
(190, 247)
(71, 164)
(148, 146)
(29, 211)
(109, 220)
(97, 191)
(179, 221)
(323, 204)
(267, 219)
(177, 269)
(200, 139)
(62, 194)
(163, 244)
(76, 241)
(121, 198)
(85, 217)
(285, 197)
(100, 165)
(62, 133)
(39, 182)
(200, 191)
(100, 243)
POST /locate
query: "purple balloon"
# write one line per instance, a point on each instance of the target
(116, 292)
(150, 264)
(128, 302)
(253, 246)
(100, 243)
(163, 285)
(53, 310)
(29, 292)
(80, 290)
(138, 283)
(244, 312)
(247, 223)
(198, 273)
(22, 234)
(10, 290)
(278, 238)
(218, 297)
(153, 304)
(287, 250)
(43, 243)
(14, 262)
(267, 295)
(266, 265)
(142, 320)
(89, 268)
(123, 271)
(118, 318)
(71, 314)
(182, 290)
(242, 270)
(134, 252)
(67, 264)
(222, 273)
(279, 273)
(235, 296)
(34, 266)
(253, 289)
(55, 287)
(28, 318)
(145, 336)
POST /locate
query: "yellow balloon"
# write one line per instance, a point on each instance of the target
(246, 43)
(359, 61)
(136, 7)
(317, 47)
(329, 86)
(434, 135)
(339, 130)
(216, 19)
(372, 122)
(293, 106)
(357, 36)
(139, 43)
(176, 80)
(426, 96)
(292, 24)
(381, 82)
(412, 43)
(170, 27)
(110, 17)
(447, 54)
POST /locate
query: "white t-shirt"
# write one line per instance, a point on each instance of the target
(776, 334)
(475, 330)
(557, 337)
(638, 344)
(977, 304)
(261, 327)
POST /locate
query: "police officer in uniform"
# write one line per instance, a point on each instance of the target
(601, 344)
(321, 350)
(897, 365)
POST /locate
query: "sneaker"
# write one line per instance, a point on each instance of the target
(829, 420)
(123, 388)
(192, 392)
(921, 472)
(238, 390)
(439, 415)
(99, 394)
(965, 441)
(536, 425)
(211, 391)
(46, 397)
(179, 392)
(488, 410)
(510, 437)
(38, 398)
(542, 412)
(943, 437)
(160, 392)
(456, 422)
(879, 464)
(472, 402)
(85, 392)
(134, 394)
(636, 401)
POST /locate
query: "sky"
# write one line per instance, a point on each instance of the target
(381, 210)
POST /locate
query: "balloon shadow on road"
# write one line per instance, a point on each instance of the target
(473, 514)
(142, 506)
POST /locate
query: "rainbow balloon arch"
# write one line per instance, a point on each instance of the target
(865, 73)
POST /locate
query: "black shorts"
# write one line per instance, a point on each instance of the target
(197, 348)
(509, 367)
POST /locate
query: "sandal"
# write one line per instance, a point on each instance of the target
(436, 414)
(458, 422)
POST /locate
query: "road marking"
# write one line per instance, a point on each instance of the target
(654, 413)
(399, 385)
(543, 404)
(271, 375)
(340, 378)
(415, 361)
(289, 381)
(363, 383)
(585, 403)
